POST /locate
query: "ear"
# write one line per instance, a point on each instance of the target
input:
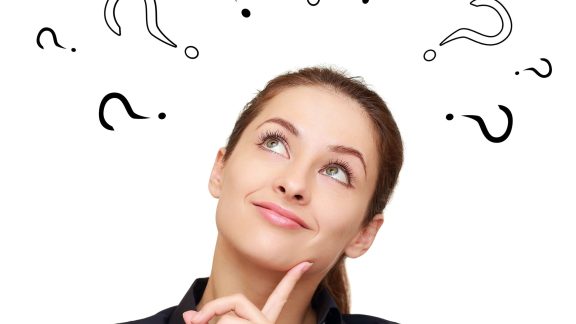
(215, 182)
(363, 240)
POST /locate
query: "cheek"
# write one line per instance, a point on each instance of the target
(336, 229)
(338, 210)
(242, 176)
(338, 221)
(342, 230)
(240, 180)
(251, 170)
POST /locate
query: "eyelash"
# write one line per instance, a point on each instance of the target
(279, 136)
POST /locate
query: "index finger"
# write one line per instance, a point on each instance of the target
(280, 295)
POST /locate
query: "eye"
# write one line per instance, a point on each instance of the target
(340, 171)
(275, 142)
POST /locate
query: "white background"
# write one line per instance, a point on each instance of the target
(103, 226)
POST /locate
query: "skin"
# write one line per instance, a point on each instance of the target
(257, 272)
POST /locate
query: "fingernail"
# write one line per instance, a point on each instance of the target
(306, 267)
(190, 315)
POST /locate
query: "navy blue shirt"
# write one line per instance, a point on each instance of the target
(322, 302)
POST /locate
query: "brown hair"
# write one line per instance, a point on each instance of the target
(389, 147)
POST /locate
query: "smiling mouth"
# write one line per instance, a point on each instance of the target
(279, 217)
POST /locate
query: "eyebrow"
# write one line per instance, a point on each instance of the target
(284, 123)
(348, 150)
(333, 148)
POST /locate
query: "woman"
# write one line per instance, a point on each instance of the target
(302, 183)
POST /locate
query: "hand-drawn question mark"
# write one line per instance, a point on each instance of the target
(48, 29)
(537, 72)
(483, 128)
(131, 113)
(151, 16)
(475, 36)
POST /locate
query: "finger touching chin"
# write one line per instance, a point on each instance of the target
(188, 316)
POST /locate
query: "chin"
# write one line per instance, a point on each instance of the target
(266, 249)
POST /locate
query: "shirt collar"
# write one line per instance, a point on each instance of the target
(322, 302)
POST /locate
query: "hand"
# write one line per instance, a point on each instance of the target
(244, 309)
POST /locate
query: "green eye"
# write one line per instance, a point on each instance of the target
(275, 142)
(271, 143)
(337, 173)
(339, 170)
(331, 170)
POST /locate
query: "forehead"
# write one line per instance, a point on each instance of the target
(323, 117)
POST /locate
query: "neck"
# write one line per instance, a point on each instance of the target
(232, 273)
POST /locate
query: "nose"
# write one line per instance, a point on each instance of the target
(293, 185)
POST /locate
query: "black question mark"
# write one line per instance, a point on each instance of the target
(131, 113)
(537, 72)
(484, 130)
(48, 29)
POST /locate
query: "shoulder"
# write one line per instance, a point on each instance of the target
(161, 317)
(364, 319)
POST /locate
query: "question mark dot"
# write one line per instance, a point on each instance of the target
(161, 115)
(191, 52)
(73, 49)
(364, 1)
(429, 55)
(246, 13)
(517, 73)
(449, 116)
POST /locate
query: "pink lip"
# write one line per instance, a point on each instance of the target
(280, 216)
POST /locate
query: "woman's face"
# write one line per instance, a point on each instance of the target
(312, 152)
